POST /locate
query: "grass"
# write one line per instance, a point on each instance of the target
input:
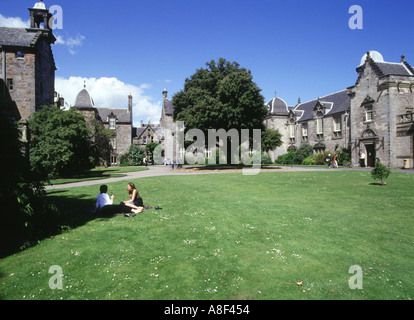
(229, 236)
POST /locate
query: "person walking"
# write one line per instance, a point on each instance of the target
(329, 160)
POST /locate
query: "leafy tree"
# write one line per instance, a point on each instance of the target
(25, 214)
(150, 147)
(380, 172)
(60, 143)
(100, 140)
(134, 156)
(271, 139)
(221, 96)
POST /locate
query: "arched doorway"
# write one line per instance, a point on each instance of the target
(369, 139)
(371, 155)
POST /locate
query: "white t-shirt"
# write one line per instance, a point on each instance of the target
(102, 200)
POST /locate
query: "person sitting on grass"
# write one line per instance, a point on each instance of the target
(135, 201)
(103, 199)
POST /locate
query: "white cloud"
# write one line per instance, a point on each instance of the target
(72, 43)
(111, 93)
(13, 22)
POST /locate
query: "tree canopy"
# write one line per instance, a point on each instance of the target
(221, 96)
(60, 143)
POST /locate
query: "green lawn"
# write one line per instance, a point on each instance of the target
(229, 236)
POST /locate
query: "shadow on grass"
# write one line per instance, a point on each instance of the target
(78, 210)
(73, 212)
(92, 175)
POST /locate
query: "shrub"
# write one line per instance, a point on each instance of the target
(266, 159)
(304, 151)
(308, 161)
(287, 158)
(380, 172)
(320, 158)
(134, 157)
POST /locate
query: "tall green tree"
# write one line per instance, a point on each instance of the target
(271, 139)
(60, 143)
(220, 96)
(25, 213)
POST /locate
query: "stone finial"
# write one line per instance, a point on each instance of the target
(403, 58)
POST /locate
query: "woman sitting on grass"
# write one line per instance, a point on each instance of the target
(135, 202)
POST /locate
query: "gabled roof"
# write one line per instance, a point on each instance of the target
(384, 68)
(121, 115)
(397, 69)
(18, 37)
(334, 103)
(155, 127)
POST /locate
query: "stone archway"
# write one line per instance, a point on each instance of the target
(370, 155)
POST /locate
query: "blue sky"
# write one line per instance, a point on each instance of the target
(295, 48)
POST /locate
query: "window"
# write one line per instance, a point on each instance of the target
(337, 124)
(10, 84)
(292, 131)
(112, 123)
(113, 160)
(305, 132)
(319, 126)
(144, 140)
(369, 114)
(20, 54)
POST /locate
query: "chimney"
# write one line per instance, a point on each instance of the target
(164, 94)
(130, 104)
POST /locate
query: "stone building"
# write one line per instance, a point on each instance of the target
(147, 133)
(27, 65)
(374, 116)
(119, 120)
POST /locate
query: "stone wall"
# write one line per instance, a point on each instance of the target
(23, 94)
(45, 75)
(389, 99)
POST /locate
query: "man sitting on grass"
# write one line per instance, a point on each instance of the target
(103, 199)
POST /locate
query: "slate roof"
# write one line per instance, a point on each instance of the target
(334, 103)
(277, 106)
(18, 37)
(155, 127)
(84, 100)
(122, 115)
(388, 68)
(168, 107)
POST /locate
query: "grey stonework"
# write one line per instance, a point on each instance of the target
(117, 119)
(27, 68)
(375, 116)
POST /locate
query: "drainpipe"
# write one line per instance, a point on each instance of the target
(3, 71)
(346, 129)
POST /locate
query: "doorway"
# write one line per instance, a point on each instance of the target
(371, 155)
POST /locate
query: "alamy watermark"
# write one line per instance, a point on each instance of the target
(221, 147)
(356, 21)
(355, 282)
(56, 281)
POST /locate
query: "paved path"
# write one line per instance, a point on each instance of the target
(155, 171)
